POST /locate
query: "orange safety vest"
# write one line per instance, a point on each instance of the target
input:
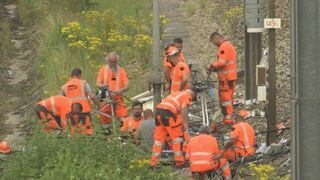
(114, 80)
(81, 124)
(173, 102)
(75, 89)
(200, 152)
(226, 62)
(245, 142)
(130, 124)
(58, 106)
(178, 71)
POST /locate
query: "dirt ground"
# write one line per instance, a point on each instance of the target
(18, 87)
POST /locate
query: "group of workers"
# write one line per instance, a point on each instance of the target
(170, 123)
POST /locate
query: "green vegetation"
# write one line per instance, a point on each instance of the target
(232, 18)
(78, 33)
(123, 27)
(191, 9)
(5, 38)
(80, 157)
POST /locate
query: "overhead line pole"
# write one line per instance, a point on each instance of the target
(156, 82)
(272, 136)
(305, 96)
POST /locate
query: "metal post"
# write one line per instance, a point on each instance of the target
(271, 97)
(305, 89)
(253, 57)
(156, 55)
(253, 29)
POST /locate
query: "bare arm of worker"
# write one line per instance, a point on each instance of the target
(166, 74)
(230, 143)
(136, 136)
(184, 113)
(99, 84)
(100, 77)
(62, 93)
(122, 90)
(184, 80)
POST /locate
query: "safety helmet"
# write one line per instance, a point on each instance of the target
(172, 51)
(4, 147)
(244, 113)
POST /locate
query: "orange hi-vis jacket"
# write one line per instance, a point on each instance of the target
(174, 101)
(245, 142)
(226, 63)
(130, 124)
(176, 76)
(200, 152)
(114, 80)
(58, 106)
(81, 124)
(75, 89)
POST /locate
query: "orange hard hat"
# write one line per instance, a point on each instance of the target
(244, 113)
(4, 147)
(172, 51)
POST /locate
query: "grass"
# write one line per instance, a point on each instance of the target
(48, 157)
(80, 157)
(5, 38)
(56, 60)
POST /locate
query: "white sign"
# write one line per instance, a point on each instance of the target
(272, 23)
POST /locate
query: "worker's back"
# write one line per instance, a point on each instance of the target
(146, 133)
(246, 135)
(174, 101)
(75, 90)
(200, 152)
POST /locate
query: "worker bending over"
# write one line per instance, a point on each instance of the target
(203, 154)
(115, 78)
(132, 123)
(241, 140)
(78, 91)
(53, 111)
(226, 68)
(180, 75)
(171, 115)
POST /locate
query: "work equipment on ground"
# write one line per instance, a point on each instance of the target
(4, 147)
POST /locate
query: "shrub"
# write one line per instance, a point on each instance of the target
(79, 157)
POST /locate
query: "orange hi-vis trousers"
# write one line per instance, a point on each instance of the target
(226, 91)
(167, 125)
(47, 119)
(120, 110)
(223, 165)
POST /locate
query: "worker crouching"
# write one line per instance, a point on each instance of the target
(52, 112)
(168, 112)
(80, 123)
(241, 140)
(203, 154)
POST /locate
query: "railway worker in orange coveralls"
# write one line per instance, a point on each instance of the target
(171, 115)
(77, 91)
(116, 80)
(53, 111)
(204, 157)
(180, 75)
(79, 122)
(168, 67)
(241, 140)
(226, 68)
